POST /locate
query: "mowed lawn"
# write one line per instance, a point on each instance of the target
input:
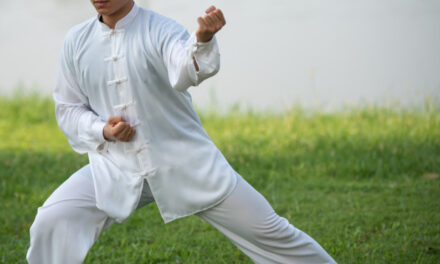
(362, 182)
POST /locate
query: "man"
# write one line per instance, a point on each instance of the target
(121, 96)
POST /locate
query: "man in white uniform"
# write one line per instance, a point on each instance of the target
(121, 97)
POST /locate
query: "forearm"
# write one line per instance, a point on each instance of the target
(82, 127)
(192, 60)
(193, 63)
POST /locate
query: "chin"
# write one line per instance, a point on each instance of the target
(103, 8)
(104, 11)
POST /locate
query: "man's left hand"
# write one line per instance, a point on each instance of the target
(210, 24)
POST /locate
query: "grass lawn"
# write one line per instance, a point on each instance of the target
(362, 182)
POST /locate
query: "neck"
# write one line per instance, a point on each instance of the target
(112, 19)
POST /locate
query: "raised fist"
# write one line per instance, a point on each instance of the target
(210, 24)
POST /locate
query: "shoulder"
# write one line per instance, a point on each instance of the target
(153, 17)
(158, 23)
(77, 33)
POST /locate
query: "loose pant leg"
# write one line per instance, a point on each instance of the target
(68, 223)
(248, 220)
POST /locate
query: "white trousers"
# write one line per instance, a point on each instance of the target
(68, 224)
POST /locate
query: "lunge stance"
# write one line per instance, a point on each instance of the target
(121, 97)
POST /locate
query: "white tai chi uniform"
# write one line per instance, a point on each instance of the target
(141, 70)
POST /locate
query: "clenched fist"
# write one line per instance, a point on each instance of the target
(117, 129)
(210, 24)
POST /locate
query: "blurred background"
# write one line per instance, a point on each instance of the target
(275, 54)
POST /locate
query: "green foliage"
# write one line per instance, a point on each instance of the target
(353, 180)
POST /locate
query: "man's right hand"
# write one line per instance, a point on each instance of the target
(117, 129)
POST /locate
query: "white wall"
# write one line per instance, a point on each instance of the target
(274, 53)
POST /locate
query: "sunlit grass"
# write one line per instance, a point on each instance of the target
(352, 179)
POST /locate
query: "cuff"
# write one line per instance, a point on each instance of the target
(98, 131)
(207, 57)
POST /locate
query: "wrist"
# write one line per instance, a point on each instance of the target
(204, 38)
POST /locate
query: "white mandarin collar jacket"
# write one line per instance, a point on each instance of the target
(141, 70)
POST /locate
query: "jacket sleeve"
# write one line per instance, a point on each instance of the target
(178, 50)
(81, 125)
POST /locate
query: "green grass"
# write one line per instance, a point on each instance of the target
(351, 179)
